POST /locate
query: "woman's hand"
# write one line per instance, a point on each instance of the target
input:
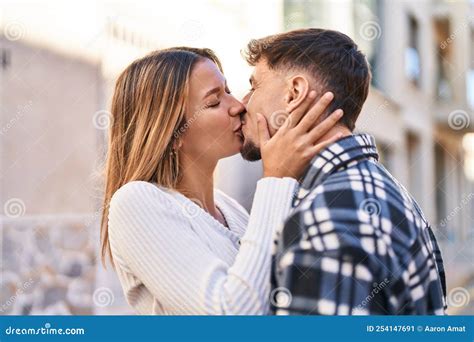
(289, 151)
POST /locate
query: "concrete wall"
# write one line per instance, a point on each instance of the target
(48, 138)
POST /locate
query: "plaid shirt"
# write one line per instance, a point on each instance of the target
(356, 242)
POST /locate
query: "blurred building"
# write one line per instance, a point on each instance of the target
(56, 80)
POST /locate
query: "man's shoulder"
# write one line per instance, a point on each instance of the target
(356, 208)
(366, 171)
(363, 185)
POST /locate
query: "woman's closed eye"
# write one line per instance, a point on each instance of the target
(213, 102)
(213, 105)
(217, 102)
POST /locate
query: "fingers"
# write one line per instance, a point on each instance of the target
(263, 133)
(296, 114)
(315, 112)
(321, 146)
(322, 128)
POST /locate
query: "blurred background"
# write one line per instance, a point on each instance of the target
(58, 63)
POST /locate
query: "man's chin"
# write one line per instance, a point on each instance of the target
(250, 151)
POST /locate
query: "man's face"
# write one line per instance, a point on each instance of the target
(267, 97)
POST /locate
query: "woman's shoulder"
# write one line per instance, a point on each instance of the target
(139, 213)
(139, 193)
(143, 206)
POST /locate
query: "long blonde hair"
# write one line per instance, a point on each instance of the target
(148, 109)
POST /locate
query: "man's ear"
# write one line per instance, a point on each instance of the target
(298, 89)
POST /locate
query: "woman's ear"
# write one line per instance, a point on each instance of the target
(177, 144)
(298, 89)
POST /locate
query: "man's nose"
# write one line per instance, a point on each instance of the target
(246, 98)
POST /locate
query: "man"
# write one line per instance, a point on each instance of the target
(356, 241)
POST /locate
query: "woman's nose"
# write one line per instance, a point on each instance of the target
(237, 108)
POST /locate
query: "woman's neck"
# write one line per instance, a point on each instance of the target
(197, 183)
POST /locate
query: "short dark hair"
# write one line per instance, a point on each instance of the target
(331, 57)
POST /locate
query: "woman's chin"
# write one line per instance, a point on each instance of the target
(234, 149)
(237, 148)
(240, 142)
(230, 154)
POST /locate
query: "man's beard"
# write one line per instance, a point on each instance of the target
(250, 151)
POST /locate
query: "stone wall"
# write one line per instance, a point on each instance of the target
(49, 266)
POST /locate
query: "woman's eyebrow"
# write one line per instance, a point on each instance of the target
(212, 91)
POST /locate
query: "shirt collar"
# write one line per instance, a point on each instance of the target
(335, 156)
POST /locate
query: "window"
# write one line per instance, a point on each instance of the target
(304, 14)
(368, 30)
(365, 28)
(440, 191)
(470, 75)
(5, 58)
(414, 165)
(412, 53)
(444, 47)
(385, 156)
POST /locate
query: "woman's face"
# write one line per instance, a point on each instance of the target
(212, 128)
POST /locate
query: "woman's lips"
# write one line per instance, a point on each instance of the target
(238, 128)
(239, 134)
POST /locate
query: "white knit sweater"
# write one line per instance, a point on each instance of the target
(174, 258)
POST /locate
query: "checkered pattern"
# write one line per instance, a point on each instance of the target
(356, 242)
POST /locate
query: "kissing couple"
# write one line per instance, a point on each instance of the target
(330, 232)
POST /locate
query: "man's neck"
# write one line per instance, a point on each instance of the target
(338, 129)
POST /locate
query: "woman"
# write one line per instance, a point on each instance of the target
(178, 245)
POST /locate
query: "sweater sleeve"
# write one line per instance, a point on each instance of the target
(156, 241)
